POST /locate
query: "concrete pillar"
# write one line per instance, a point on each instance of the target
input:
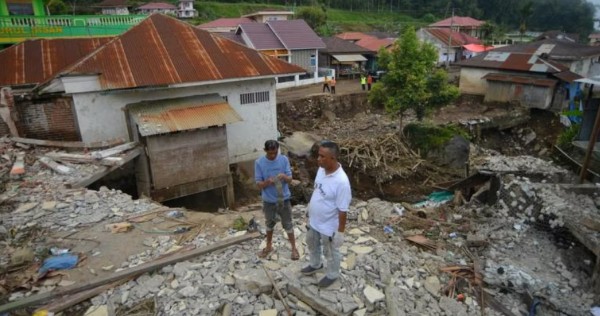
(230, 193)
(3, 8)
(7, 110)
(38, 8)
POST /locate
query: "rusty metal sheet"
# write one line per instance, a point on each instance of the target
(521, 80)
(458, 38)
(34, 61)
(181, 114)
(162, 50)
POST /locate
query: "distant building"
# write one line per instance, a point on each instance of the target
(449, 44)
(157, 7)
(186, 9)
(114, 7)
(269, 15)
(464, 24)
(594, 39)
(224, 24)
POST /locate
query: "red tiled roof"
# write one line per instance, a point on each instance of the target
(162, 50)
(374, 44)
(458, 21)
(34, 61)
(261, 36)
(157, 6)
(224, 22)
(296, 34)
(353, 36)
(458, 38)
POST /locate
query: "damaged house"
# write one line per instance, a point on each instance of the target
(523, 77)
(166, 85)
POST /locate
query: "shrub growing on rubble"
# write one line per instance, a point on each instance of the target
(413, 81)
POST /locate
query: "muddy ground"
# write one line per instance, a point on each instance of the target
(349, 116)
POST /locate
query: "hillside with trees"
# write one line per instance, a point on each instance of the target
(571, 16)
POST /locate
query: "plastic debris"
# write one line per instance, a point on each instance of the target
(399, 210)
(388, 230)
(175, 214)
(595, 311)
(63, 262)
(59, 251)
(453, 235)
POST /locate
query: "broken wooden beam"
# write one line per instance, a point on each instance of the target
(315, 302)
(62, 169)
(113, 151)
(66, 157)
(68, 144)
(276, 287)
(135, 271)
(101, 174)
(83, 158)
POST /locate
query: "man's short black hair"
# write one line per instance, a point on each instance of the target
(271, 144)
(332, 146)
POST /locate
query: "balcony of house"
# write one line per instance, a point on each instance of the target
(17, 28)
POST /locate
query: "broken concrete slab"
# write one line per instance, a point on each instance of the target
(252, 280)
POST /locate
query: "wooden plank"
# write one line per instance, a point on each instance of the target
(188, 189)
(113, 151)
(61, 304)
(285, 304)
(314, 302)
(187, 157)
(67, 144)
(138, 270)
(76, 158)
(99, 175)
(62, 169)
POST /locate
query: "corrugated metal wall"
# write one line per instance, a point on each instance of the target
(530, 96)
(302, 58)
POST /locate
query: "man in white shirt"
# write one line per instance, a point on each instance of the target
(327, 214)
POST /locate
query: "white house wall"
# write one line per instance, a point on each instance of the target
(101, 115)
(441, 48)
(470, 80)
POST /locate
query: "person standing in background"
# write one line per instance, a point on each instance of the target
(332, 83)
(369, 82)
(363, 81)
(326, 84)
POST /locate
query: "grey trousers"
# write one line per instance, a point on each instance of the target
(319, 244)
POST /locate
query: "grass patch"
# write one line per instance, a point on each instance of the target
(337, 20)
(568, 134)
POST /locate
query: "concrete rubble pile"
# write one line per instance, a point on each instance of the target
(382, 272)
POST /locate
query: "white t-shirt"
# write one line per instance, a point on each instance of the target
(332, 194)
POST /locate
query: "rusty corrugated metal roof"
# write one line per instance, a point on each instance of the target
(520, 80)
(458, 38)
(34, 61)
(513, 61)
(567, 76)
(182, 114)
(162, 50)
(554, 48)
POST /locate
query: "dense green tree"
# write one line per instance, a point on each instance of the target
(314, 16)
(412, 80)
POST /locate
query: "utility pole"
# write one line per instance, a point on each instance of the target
(449, 40)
